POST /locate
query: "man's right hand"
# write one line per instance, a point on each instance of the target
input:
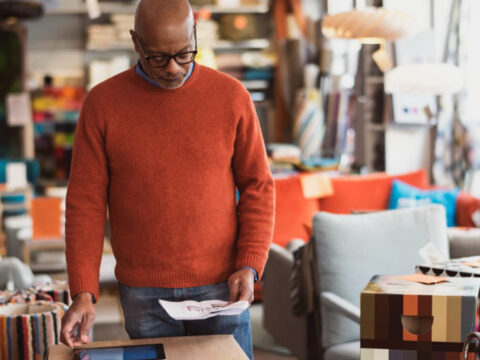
(80, 315)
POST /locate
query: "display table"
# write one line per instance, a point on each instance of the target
(212, 347)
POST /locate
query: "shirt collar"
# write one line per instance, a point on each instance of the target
(140, 72)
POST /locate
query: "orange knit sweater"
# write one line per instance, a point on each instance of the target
(166, 162)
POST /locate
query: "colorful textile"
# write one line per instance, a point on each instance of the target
(27, 330)
(56, 292)
(167, 162)
(309, 127)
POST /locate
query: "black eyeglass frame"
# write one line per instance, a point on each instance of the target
(169, 57)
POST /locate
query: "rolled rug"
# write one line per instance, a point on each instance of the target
(27, 330)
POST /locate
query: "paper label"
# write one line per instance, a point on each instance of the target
(19, 110)
(423, 279)
(16, 176)
(474, 264)
(315, 186)
(430, 254)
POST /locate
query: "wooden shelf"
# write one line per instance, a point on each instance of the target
(129, 8)
(258, 44)
(251, 9)
(255, 84)
(81, 8)
(241, 45)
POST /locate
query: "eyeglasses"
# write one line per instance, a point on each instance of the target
(160, 60)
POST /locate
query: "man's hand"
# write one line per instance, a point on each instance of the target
(241, 285)
(80, 315)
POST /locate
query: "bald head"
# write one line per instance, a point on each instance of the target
(165, 28)
(162, 17)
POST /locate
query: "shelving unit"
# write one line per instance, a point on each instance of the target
(253, 44)
(69, 49)
(120, 8)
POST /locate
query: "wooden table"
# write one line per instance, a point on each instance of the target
(41, 245)
(211, 347)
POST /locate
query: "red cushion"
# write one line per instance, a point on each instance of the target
(292, 211)
(466, 206)
(370, 192)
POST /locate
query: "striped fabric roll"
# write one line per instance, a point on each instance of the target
(56, 292)
(309, 127)
(27, 330)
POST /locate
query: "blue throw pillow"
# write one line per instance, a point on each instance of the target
(404, 195)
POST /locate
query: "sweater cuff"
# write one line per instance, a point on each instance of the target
(253, 261)
(255, 275)
(79, 284)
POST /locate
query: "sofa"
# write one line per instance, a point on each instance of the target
(352, 194)
(294, 213)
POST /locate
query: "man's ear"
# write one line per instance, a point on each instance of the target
(134, 40)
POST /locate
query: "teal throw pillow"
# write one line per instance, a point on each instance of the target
(405, 196)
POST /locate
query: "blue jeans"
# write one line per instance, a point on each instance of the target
(146, 318)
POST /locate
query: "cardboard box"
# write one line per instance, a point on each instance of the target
(212, 347)
(402, 319)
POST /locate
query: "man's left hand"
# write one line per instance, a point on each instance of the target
(241, 285)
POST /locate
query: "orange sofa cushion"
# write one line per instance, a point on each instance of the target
(292, 211)
(370, 192)
(466, 206)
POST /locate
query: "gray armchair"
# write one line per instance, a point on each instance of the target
(346, 251)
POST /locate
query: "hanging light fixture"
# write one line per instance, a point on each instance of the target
(371, 26)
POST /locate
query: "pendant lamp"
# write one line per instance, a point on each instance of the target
(370, 25)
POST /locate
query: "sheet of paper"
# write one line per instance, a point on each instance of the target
(316, 186)
(195, 310)
(474, 264)
(16, 176)
(19, 109)
(423, 279)
(430, 254)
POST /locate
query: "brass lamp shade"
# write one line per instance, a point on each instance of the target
(370, 25)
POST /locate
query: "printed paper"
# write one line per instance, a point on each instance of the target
(423, 279)
(195, 310)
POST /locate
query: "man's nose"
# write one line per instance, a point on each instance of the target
(172, 66)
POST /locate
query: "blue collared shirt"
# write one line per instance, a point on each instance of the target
(144, 75)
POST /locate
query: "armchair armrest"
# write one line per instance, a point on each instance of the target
(287, 329)
(463, 242)
(336, 303)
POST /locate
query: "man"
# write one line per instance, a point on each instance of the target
(165, 145)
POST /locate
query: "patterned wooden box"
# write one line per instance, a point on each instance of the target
(402, 319)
